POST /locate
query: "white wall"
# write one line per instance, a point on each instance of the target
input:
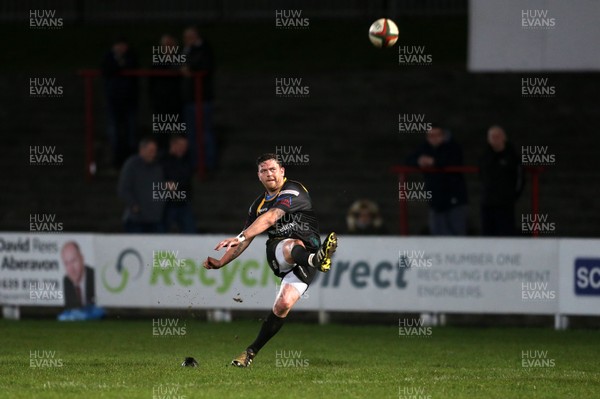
(499, 41)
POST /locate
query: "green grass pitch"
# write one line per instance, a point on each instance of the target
(122, 359)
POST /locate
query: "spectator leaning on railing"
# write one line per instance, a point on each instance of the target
(448, 204)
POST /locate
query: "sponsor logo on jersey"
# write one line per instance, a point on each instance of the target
(287, 201)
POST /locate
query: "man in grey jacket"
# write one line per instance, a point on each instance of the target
(139, 187)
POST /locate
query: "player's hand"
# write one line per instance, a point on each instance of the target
(228, 243)
(212, 263)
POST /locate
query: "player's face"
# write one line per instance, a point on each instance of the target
(73, 263)
(271, 175)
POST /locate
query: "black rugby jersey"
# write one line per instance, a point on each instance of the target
(299, 221)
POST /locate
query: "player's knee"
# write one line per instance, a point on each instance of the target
(282, 306)
(281, 309)
(287, 249)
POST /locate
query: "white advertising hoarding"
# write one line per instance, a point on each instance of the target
(371, 274)
(368, 274)
(166, 271)
(32, 268)
(445, 275)
(580, 277)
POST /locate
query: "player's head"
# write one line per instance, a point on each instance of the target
(73, 261)
(178, 145)
(148, 149)
(270, 171)
(496, 138)
(436, 135)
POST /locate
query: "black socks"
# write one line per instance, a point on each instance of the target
(301, 256)
(269, 328)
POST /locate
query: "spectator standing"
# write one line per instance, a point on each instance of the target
(501, 176)
(140, 179)
(178, 173)
(447, 208)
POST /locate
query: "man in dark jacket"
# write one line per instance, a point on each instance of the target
(178, 173)
(501, 176)
(141, 187)
(121, 100)
(78, 283)
(199, 57)
(448, 209)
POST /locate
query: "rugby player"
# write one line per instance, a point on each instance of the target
(294, 249)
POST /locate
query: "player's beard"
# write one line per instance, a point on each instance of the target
(273, 185)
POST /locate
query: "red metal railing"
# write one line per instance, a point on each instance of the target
(402, 171)
(88, 79)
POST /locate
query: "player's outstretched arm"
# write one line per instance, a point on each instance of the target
(236, 245)
(263, 222)
(232, 253)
